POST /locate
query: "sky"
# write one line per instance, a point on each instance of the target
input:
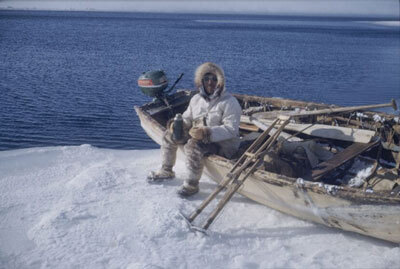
(385, 8)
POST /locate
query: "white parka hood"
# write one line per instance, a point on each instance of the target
(212, 68)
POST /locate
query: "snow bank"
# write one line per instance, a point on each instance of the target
(84, 207)
(386, 23)
(331, 23)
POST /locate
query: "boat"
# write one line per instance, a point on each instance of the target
(323, 198)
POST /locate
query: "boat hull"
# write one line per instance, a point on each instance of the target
(344, 208)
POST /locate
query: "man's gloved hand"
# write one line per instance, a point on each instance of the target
(200, 133)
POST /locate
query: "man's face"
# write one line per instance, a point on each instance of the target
(210, 82)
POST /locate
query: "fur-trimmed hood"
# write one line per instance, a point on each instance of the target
(209, 67)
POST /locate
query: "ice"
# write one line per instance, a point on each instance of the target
(385, 23)
(84, 207)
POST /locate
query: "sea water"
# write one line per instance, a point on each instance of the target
(70, 78)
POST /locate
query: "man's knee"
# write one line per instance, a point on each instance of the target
(193, 146)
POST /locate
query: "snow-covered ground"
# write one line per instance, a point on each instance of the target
(84, 207)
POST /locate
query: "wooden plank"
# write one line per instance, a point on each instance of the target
(340, 158)
(248, 127)
(332, 132)
(264, 126)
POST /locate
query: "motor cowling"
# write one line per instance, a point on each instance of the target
(153, 83)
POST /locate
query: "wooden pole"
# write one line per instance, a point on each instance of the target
(325, 111)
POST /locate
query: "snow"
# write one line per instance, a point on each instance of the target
(361, 171)
(378, 118)
(85, 207)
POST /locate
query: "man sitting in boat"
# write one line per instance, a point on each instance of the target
(211, 126)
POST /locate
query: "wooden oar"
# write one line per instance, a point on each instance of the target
(273, 114)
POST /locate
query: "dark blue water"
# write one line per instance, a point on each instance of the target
(69, 78)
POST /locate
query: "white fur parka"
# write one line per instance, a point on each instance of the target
(220, 112)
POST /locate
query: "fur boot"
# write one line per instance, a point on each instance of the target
(187, 190)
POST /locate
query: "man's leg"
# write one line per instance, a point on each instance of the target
(194, 151)
(168, 154)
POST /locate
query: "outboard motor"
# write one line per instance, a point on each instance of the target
(154, 83)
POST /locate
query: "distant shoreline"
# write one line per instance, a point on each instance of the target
(384, 20)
